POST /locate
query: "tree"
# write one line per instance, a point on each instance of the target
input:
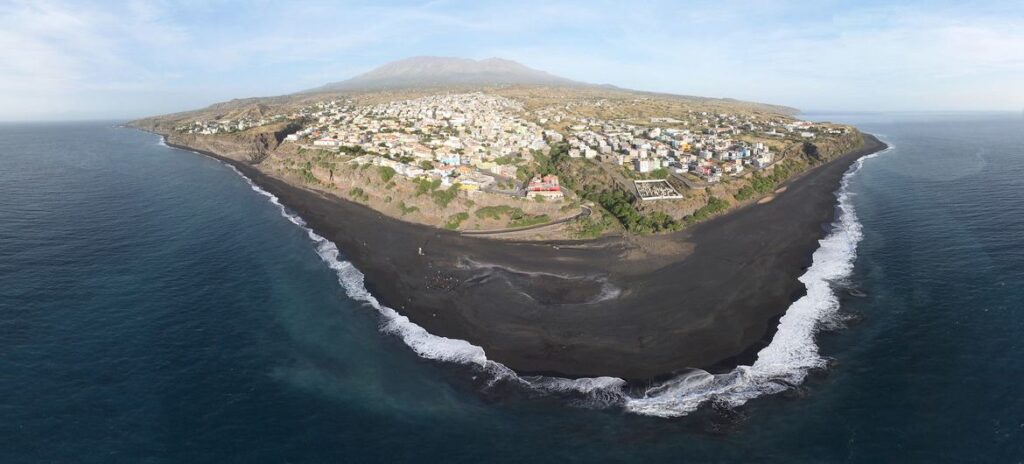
(811, 150)
(386, 173)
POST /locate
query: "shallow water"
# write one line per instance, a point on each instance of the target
(153, 307)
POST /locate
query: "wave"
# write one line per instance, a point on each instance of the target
(781, 365)
(423, 343)
(793, 352)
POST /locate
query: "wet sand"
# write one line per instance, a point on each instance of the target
(605, 307)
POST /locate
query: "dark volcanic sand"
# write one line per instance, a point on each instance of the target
(594, 308)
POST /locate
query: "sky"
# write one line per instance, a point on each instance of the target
(126, 59)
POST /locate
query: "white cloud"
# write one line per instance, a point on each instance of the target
(62, 59)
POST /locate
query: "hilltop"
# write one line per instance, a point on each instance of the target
(432, 71)
(422, 76)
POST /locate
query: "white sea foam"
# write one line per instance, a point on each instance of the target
(785, 362)
(792, 353)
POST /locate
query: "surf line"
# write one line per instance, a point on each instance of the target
(781, 365)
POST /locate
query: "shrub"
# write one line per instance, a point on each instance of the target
(455, 220)
(506, 160)
(811, 150)
(618, 204)
(443, 197)
(358, 194)
(714, 206)
(424, 185)
(405, 209)
(760, 184)
(308, 177)
(495, 212)
(529, 220)
(589, 227)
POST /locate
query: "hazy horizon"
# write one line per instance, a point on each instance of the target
(64, 61)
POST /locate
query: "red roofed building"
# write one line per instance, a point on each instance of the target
(546, 187)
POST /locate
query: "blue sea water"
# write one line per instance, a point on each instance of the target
(154, 308)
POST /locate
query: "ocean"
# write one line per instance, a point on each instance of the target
(156, 307)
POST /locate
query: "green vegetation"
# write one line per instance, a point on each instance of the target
(405, 209)
(529, 220)
(496, 212)
(425, 185)
(760, 185)
(507, 159)
(358, 194)
(517, 217)
(352, 150)
(618, 204)
(523, 173)
(307, 174)
(386, 173)
(426, 165)
(443, 197)
(589, 227)
(660, 173)
(714, 206)
(548, 164)
(455, 220)
(811, 150)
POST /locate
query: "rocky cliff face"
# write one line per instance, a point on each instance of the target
(241, 146)
(827, 149)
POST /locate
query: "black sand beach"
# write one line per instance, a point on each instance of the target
(624, 307)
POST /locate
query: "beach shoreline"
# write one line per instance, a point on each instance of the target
(603, 307)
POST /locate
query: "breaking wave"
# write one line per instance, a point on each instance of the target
(792, 353)
(781, 365)
(426, 344)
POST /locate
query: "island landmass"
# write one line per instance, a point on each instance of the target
(565, 228)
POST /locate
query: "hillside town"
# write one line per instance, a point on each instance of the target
(479, 143)
(473, 139)
(229, 126)
(706, 146)
(481, 140)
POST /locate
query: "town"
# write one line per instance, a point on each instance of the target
(486, 144)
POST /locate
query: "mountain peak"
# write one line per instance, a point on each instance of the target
(438, 71)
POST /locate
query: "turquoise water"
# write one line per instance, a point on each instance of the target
(154, 308)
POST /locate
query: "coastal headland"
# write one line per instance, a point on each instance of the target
(636, 307)
(566, 228)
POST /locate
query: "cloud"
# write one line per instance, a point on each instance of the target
(105, 59)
